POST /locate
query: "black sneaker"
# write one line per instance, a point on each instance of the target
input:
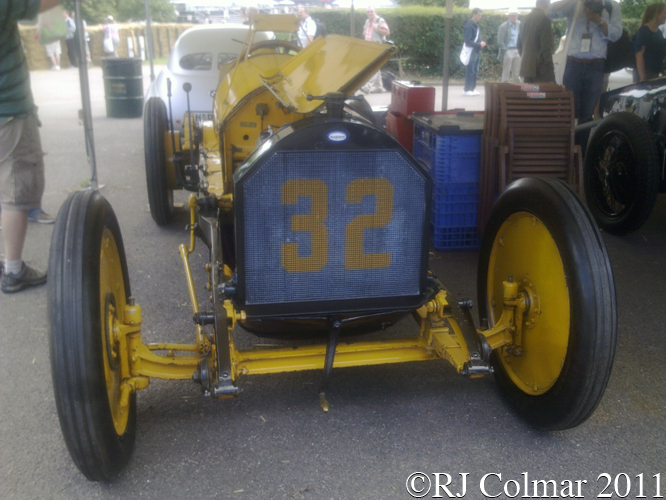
(41, 217)
(28, 276)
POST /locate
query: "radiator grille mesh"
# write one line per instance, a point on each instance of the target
(329, 225)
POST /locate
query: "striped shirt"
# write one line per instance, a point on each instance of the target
(15, 94)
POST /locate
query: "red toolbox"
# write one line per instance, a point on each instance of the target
(401, 128)
(408, 98)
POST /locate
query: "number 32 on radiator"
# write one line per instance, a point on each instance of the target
(317, 191)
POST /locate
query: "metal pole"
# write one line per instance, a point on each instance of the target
(149, 36)
(85, 97)
(352, 29)
(447, 54)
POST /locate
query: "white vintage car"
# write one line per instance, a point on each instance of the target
(198, 57)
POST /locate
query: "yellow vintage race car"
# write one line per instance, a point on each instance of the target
(317, 224)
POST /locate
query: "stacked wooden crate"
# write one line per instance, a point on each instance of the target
(528, 130)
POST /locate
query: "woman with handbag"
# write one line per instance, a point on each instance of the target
(471, 51)
(111, 37)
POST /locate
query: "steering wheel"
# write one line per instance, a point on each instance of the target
(277, 46)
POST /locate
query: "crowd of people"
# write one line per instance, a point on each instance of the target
(526, 49)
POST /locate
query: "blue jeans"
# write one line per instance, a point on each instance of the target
(471, 71)
(584, 80)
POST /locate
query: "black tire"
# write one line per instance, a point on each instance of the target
(621, 173)
(87, 264)
(540, 233)
(160, 194)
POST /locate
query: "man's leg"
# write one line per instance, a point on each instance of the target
(506, 67)
(71, 52)
(593, 80)
(573, 82)
(14, 229)
(21, 188)
(515, 67)
(470, 73)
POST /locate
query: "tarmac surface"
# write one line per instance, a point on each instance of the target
(386, 422)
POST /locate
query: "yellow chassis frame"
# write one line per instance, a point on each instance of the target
(440, 337)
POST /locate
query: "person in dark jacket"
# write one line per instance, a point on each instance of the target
(70, 40)
(649, 43)
(535, 45)
(473, 39)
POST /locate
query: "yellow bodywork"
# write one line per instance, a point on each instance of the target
(266, 91)
(331, 64)
(263, 92)
(440, 336)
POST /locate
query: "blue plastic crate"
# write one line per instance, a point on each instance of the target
(455, 216)
(448, 158)
(456, 238)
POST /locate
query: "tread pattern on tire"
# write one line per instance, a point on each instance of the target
(593, 325)
(76, 345)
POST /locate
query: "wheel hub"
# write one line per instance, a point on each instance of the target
(110, 328)
(533, 304)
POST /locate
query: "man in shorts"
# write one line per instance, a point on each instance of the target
(21, 156)
(53, 52)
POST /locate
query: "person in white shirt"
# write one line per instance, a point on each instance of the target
(111, 37)
(375, 30)
(507, 41)
(598, 23)
(308, 28)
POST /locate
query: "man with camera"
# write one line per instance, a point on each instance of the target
(596, 23)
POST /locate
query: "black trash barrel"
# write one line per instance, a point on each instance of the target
(123, 87)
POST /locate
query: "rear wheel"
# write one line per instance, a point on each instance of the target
(541, 236)
(621, 173)
(160, 194)
(88, 289)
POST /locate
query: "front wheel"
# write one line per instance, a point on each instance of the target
(541, 236)
(88, 289)
(621, 173)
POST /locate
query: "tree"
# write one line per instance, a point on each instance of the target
(633, 9)
(435, 3)
(135, 10)
(95, 11)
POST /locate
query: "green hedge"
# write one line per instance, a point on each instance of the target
(418, 32)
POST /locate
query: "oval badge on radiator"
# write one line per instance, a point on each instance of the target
(337, 136)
